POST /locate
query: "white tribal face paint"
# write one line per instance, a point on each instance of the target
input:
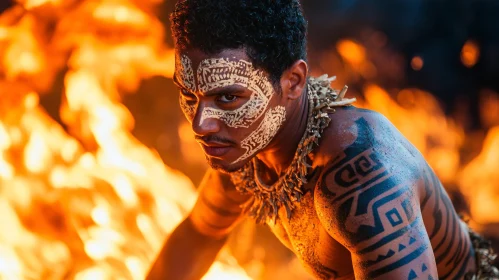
(261, 137)
(189, 110)
(185, 72)
(185, 77)
(216, 73)
(222, 72)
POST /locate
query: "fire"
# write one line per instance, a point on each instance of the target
(419, 117)
(479, 181)
(354, 53)
(89, 201)
(355, 56)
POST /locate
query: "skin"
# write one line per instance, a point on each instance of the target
(372, 209)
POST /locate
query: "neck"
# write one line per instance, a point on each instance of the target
(280, 152)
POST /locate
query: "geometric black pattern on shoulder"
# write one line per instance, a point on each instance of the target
(370, 190)
(365, 184)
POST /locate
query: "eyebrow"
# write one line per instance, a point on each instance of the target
(217, 91)
(232, 89)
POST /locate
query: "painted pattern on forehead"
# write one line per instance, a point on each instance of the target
(221, 72)
(188, 109)
(185, 72)
(266, 131)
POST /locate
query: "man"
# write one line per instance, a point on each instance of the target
(339, 186)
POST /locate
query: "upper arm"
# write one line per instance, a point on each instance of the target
(367, 201)
(218, 206)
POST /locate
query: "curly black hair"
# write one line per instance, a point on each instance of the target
(273, 32)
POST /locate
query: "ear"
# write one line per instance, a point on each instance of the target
(294, 80)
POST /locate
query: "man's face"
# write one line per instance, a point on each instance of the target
(232, 106)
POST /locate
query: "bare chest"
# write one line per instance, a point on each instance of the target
(305, 236)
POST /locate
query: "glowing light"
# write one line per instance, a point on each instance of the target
(107, 199)
(417, 63)
(470, 53)
(125, 191)
(120, 12)
(69, 150)
(5, 142)
(29, 4)
(479, 179)
(36, 153)
(31, 101)
(58, 177)
(92, 274)
(10, 264)
(420, 119)
(351, 51)
(100, 216)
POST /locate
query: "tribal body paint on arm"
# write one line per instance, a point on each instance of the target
(367, 201)
(449, 236)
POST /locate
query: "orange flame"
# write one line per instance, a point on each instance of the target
(95, 203)
(479, 181)
(418, 115)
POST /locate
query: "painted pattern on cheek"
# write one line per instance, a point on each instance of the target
(261, 137)
(185, 72)
(185, 76)
(222, 72)
(188, 109)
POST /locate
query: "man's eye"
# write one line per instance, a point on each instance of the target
(227, 98)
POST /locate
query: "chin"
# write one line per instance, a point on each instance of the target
(224, 166)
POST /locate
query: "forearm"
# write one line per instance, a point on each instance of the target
(187, 254)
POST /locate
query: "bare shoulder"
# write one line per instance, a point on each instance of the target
(350, 125)
(364, 158)
(367, 196)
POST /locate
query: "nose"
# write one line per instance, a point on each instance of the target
(205, 127)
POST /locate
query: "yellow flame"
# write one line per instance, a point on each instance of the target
(30, 4)
(421, 122)
(96, 203)
(122, 12)
(479, 179)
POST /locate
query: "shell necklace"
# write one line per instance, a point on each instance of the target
(288, 189)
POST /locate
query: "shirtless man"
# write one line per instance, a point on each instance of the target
(339, 186)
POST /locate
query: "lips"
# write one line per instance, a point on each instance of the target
(216, 151)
